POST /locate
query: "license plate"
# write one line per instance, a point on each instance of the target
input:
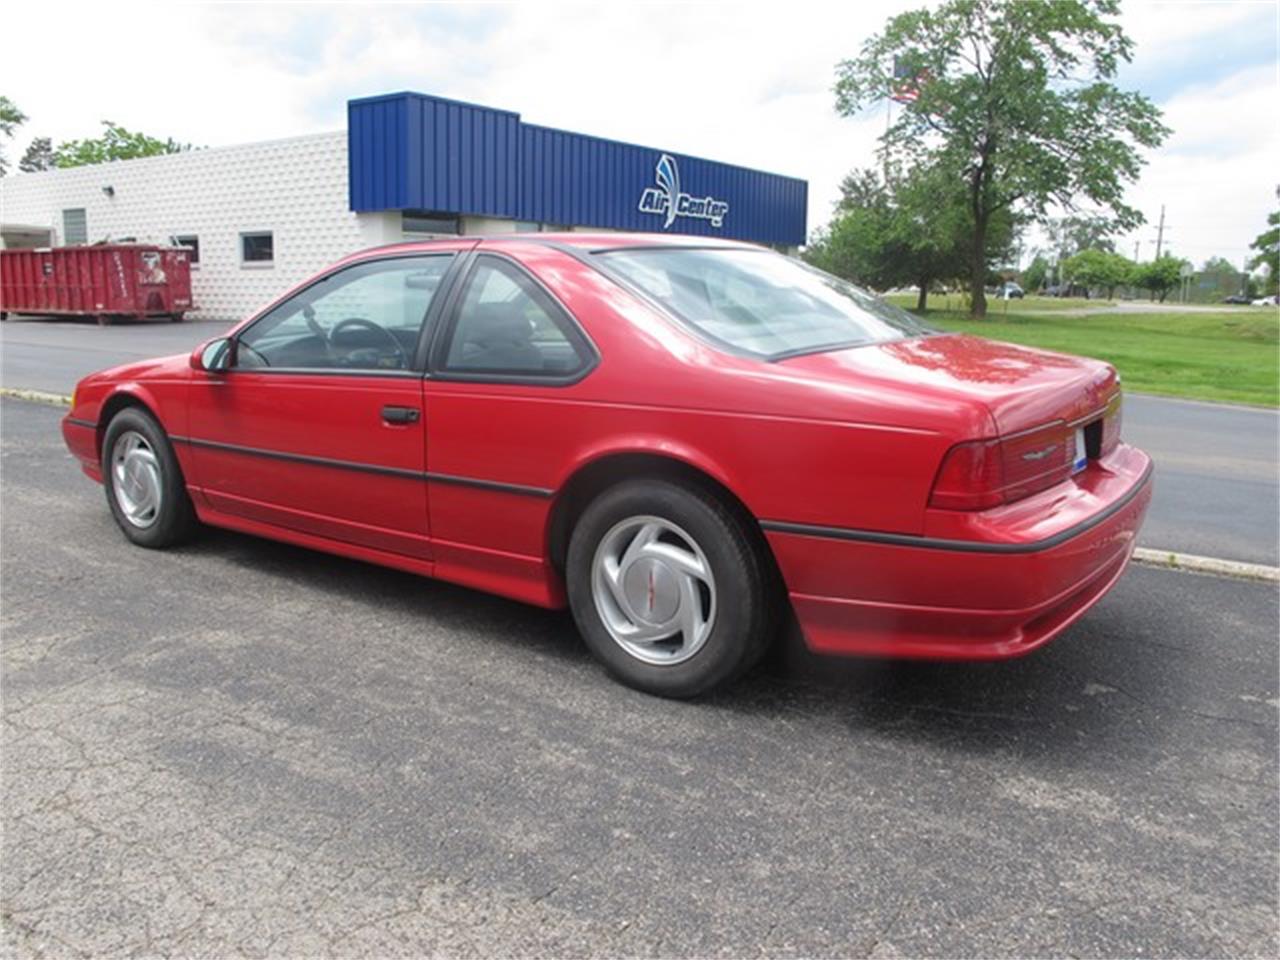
(1082, 454)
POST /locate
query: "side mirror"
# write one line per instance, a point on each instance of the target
(215, 356)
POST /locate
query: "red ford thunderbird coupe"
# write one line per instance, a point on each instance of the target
(687, 442)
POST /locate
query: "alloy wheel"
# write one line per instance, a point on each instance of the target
(654, 590)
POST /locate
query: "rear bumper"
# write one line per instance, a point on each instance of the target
(1003, 596)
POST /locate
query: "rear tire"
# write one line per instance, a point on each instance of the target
(668, 590)
(143, 481)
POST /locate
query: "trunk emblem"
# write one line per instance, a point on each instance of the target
(1040, 454)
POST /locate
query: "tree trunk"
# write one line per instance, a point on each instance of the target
(978, 270)
(923, 299)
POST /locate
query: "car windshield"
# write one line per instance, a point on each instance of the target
(760, 302)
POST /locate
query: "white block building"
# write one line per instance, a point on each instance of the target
(263, 216)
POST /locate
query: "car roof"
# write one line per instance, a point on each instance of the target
(586, 241)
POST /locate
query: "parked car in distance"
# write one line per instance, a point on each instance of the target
(1270, 301)
(1236, 298)
(686, 441)
(1011, 291)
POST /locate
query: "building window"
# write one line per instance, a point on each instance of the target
(423, 221)
(192, 243)
(75, 228)
(257, 247)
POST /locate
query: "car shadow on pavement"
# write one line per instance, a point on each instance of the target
(1058, 700)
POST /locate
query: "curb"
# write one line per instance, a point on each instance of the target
(36, 396)
(1209, 565)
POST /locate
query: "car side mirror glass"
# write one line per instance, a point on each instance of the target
(214, 356)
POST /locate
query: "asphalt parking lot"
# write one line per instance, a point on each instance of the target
(245, 748)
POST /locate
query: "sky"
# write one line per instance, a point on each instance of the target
(744, 83)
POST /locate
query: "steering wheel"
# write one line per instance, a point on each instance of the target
(362, 323)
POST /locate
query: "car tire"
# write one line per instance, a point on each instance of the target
(143, 481)
(647, 554)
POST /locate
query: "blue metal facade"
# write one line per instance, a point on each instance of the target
(409, 151)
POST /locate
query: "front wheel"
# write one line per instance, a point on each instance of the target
(143, 481)
(667, 588)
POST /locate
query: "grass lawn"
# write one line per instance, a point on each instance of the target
(1228, 355)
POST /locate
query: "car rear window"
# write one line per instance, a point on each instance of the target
(760, 302)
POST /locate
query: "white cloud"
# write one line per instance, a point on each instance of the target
(745, 83)
(1217, 174)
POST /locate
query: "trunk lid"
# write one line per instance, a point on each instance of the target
(1022, 387)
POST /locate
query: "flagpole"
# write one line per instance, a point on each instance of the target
(888, 114)
(888, 117)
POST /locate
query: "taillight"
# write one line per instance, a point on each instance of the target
(986, 473)
(1110, 427)
(1035, 460)
(971, 477)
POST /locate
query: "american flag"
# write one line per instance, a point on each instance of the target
(905, 87)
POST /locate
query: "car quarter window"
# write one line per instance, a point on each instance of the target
(506, 325)
(368, 316)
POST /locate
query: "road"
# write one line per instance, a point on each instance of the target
(51, 355)
(1217, 489)
(242, 747)
(1146, 306)
(1217, 481)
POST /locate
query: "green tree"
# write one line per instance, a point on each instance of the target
(1098, 269)
(1159, 276)
(915, 231)
(116, 143)
(1033, 278)
(1267, 244)
(10, 119)
(1069, 235)
(855, 244)
(1015, 99)
(39, 156)
(1218, 278)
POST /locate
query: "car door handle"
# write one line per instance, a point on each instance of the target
(392, 414)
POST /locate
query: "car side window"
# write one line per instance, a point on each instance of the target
(506, 325)
(366, 317)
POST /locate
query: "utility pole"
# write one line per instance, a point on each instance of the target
(1136, 245)
(1160, 233)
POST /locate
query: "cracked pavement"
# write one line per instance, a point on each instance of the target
(244, 749)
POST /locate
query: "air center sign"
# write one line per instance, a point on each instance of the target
(408, 151)
(668, 201)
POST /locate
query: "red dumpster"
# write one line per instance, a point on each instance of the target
(106, 282)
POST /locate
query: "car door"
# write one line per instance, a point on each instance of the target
(507, 360)
(317, 424)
